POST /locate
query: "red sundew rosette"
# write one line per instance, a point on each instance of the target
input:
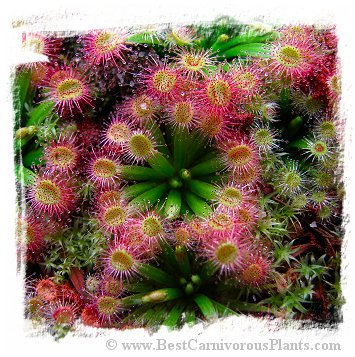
(194, 64)
(255, 270)
(139, 110)
(68, 87)
(249, 80)
(45, 288)
(292, 60)
(63, 154)
(90, 316)
(224, 250)
(102, 168)
(62, 313)
(102, 47)
(31, 234)
(117, 132)
(217, 93)
(52, 195)
(121, 261)
(41, 44)
(147, 229)
(113, 215)
(161, 81)
(104, 311)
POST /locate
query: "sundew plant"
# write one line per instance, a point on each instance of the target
(177, 174)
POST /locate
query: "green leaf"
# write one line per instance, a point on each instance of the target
(202, 189)
(144, 37)
(138, 173)
(160, 164)
(223, 310)
(168, 254)
(150, 197)
(195, 146)
(174, 314)
(245, 38)
(138, 287)
(157, 275)
(208, 270)
(207, 167)
(183, 261)
(21, 86)
(137, 189)
(158, 136)
(298, 144)
(25, 176)
(206, 306)
(33, 157)
(200, 207)
(173, 204)
(180, 135)
(190, 316)
(160, 312)
(40, 112)
(294, 128)
(248, 50)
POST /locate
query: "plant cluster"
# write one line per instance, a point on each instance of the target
(171, 175)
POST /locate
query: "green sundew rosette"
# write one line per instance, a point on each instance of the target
(178, 178)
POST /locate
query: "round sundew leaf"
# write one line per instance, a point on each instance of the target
(252, 274)
(64, 315)
(114, 216)
(230, 197)
(107, 305)
(219, 92)
(164, 81)
(62, 157)
(152, 226)
(104, 168)
(226, 253)
(121, 260)
(69, 89)
(240, 155)
(140, 146)
(47, 192)
(289, 56)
